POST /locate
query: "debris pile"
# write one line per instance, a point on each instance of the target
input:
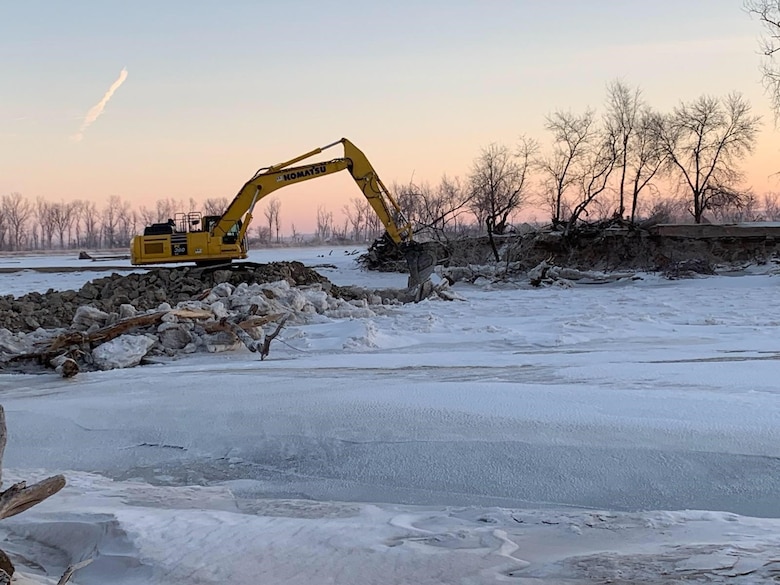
(142, 291)
(482, 273)
(546, 274)
(689, 268)
(123, 321)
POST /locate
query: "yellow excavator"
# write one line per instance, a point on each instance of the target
(220, 239)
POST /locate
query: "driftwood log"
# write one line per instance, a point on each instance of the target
(270, 337)
(72, 569)
(104, 334)
(64, 351)
(69, 345)
(245, 331)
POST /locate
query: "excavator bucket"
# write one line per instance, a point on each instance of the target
(421, 261)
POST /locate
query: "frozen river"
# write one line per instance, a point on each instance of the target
(541, 404)
(646, 394)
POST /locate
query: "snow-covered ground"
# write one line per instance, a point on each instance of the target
(626, 431)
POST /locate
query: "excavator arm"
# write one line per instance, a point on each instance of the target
(268, 180)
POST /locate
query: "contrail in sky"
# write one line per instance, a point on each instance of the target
(96, 110)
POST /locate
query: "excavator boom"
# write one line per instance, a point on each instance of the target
(221, 239)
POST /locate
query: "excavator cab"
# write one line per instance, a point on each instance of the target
(233, 233)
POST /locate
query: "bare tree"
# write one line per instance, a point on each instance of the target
(17, 211)
(406, 196)
(743, 207)
(356, 213)
(361, 221)
(340, 233)
(622, 118)
(498, 184)
(44, 214)
(631, 122)
(666, 208)
(63, 215)
(595, 168)
(263, 234)
(278, 223)
(31, 237)
(373, 225)
(324, 223)
(768, 14)
(297, 238)
(116, 222)
(271, 212)
(128, 225)
(703, 141)
(166, 209)
(572, 136)
(647, 156)
(450, 206)
(771, 207)
(88, 217)
(147, 216)
(3, 228)
(435, 211)
(215, 205)
(77, 205)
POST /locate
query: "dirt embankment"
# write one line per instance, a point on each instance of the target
(603, 248)
(609, 250)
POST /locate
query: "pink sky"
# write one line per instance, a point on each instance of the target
(211, 93)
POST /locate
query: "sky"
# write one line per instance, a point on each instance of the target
(149, 100)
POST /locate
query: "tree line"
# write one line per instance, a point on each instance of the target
(628, 162)
(46, 225)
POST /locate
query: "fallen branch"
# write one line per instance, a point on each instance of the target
(249, 342)
(19, 497)
(244, 330)
(269, 338)
(546, 273)
(65, 342)
(65, 366)
(112, 331)
(72, 569)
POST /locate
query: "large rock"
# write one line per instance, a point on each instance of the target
(174, 335)
(125, 351)
(220, 341)
(10, 343)
(87, 316)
